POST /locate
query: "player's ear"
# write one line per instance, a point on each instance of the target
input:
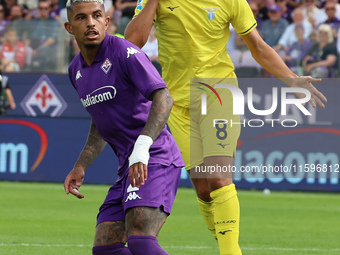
(68, 27)
(107, 21)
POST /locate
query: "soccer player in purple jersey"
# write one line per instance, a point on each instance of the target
(129, 104)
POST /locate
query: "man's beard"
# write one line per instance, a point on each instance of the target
(92, 45)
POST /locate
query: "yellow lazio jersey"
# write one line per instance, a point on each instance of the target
(192, 37)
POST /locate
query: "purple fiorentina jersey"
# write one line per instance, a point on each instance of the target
(115, 91)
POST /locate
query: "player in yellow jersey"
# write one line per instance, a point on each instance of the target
(192, 37)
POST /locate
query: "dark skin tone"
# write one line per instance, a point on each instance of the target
(159, 113)
(88, 23)
(139, 221)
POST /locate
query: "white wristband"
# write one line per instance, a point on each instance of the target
(140, 152)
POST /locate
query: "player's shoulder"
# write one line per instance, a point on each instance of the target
(122, 47)
(119, 42)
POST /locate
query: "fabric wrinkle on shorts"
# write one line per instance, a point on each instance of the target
(159, 189)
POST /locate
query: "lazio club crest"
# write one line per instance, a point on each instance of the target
(211, 12)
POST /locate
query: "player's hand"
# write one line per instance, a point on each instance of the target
(138, 174)
(73, 182)
(306, 82)
(138, 161)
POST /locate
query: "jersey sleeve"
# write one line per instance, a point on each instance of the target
(140, 6)
(243, 19)
(141, 71)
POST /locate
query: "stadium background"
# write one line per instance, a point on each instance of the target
(41, 139)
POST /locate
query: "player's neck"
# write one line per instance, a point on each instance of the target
(89, 55)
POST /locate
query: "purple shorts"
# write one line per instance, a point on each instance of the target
(159, 190)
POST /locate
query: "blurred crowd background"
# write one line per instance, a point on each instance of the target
(303, 32)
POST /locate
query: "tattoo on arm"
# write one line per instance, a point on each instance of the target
(159, 113)
(93, 147)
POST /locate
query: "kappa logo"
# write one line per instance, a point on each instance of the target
(131, 51)
(132, 196)
(106, 66)
(43, 99)
(132, 193)
(131, 189)
(211, 12)
(78, 75)
(172, 8)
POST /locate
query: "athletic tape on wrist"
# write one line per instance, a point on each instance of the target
(140, 152)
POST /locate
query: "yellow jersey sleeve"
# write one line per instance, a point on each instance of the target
(140, 6)
(242, 17)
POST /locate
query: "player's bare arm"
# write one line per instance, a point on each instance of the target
(159, 113)
(93, 147)
(138, 30)
(272, 62)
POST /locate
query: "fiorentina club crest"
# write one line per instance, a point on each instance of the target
(43, 99)
(211, 12)
(106, 66)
